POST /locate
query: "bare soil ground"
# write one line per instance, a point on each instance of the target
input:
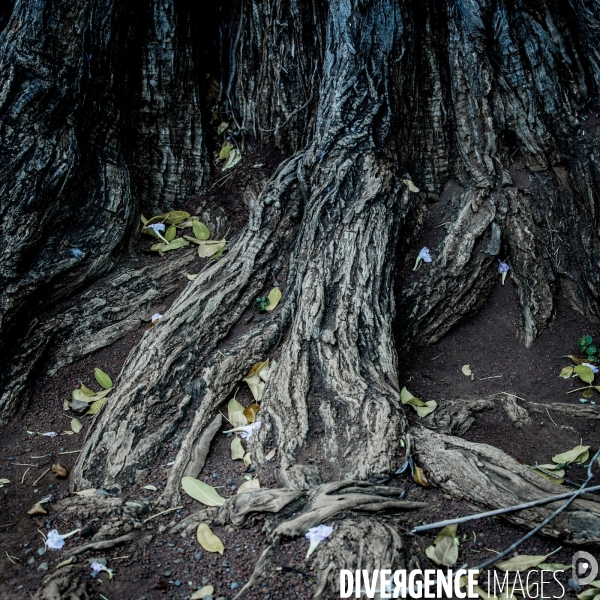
(172, 567)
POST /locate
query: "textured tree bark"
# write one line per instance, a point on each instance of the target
(488, 108)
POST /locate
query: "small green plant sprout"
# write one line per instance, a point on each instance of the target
(587, 347)
(261, 303)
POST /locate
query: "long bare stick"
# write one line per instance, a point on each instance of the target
(502, 511)
(543, 524)
(164, 512)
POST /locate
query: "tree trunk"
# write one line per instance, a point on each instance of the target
(486, 108)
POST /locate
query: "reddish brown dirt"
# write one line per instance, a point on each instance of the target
(170, 567)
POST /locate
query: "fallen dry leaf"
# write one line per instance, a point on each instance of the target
(37, 509)
(59, 470)
(419, 477)
(208, 540)
(250, 412)
(466, 369)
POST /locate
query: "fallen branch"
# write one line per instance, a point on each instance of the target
(545, 522)
(502, 511)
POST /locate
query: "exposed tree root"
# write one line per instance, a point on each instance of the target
(488, 478)
(68, 583)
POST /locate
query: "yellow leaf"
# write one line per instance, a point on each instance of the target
(233, 159)
(466, 369)
(522, 562)
(247, 459)
(208, 540)
(419, 477)
(210, 247)
(274, 298)
(222, 129)
(429, 407)
(237, 450)
(76, 425)
(86, 391)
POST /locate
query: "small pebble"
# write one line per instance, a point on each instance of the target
(31, 561)
(208, 598)
(131, 480)
(43, 566)
(234, 586)
(41, 551)
(177, 583)
(180, 550)
(198, 555)
(167, 573)
(10, 458)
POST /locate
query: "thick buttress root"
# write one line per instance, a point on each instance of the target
(366, 541)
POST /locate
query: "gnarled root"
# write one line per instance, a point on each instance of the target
(488, 478)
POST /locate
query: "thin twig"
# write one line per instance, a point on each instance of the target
(492, 377)
(46, 471)
(8, 524)
(442, 354)
(71, 451)
(545, 522)
(11, 558)
(164, 512)
(510, 394)
(25, 465)
(501, 511)
(45, 456)
(26, 471)
(551, 417)
(587, 387)
(442, 224)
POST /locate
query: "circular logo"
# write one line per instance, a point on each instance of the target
(585, 568)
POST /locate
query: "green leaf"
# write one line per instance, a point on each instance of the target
(248, 486)
(175, 217)
(175, 244)
(274, 298)
(218, 253)
(201, 491)
(585, 373)
(588, 594)
(222, 127)
(171, 233)
(103, 379)
(232, 160)
(76, 425)
(554, 567)
(96, 406)
(200, 230)
(407, 398)
(429, 407)
(446, 551)
(86, 391)
(522, 562)
(225, 151)
(210, 247)
(566, 372)
(570, 456)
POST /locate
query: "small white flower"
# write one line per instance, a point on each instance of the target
(424, 256)
(98, 568)
(503, 269)
(156, 317)
(316, 535)
(157, 228)
(50, 434)
(55, 540)
(592, 367)
(246, 431)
